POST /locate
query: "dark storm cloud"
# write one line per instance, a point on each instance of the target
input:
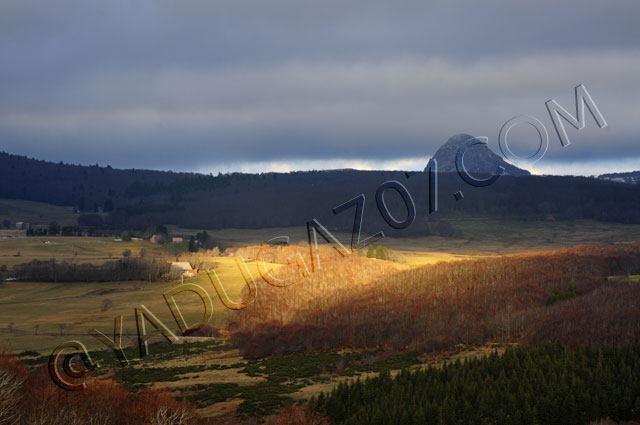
(132, 84)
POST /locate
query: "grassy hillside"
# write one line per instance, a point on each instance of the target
(21, 249)
(476, 237)
(32, 212)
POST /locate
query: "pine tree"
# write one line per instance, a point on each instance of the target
(370, 252)
(193, 245)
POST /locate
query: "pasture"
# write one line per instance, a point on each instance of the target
(38, 316)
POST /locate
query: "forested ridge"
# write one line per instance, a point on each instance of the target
(550, 384)
(134, 198)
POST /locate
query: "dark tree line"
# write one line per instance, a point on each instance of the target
(130, 268)
(134, 198)
(551, 384)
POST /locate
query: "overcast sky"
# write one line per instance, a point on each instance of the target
(285, 85)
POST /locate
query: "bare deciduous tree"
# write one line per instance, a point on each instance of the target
(165, 416)
(10, 387)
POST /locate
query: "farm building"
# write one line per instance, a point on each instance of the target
(158, 239)
(22, 225)
(181, 269)
(177, 239)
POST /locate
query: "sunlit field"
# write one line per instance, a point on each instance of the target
(15, 248)
(42, 315)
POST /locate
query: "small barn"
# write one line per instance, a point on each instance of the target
(181, 269)
(157, 239)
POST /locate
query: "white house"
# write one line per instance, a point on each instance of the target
(181, 269)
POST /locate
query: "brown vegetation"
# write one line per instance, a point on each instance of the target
(31, 398)
(296, 415)
(12, 378)
(353, 302)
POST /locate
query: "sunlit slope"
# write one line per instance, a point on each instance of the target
(565, 294)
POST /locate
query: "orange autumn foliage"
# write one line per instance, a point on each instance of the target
(358, 303)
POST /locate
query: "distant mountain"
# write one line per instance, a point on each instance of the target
(477, 159)
(632, 177)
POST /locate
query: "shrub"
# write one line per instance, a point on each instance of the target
(297, 415)
(31, 398)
